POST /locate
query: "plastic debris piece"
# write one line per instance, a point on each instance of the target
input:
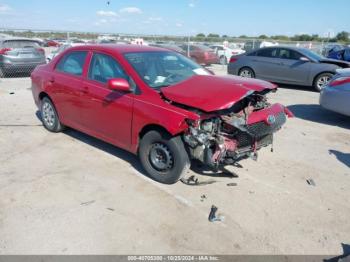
(311, 182)
(212, 215)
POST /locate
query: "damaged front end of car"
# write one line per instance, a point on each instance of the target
(227, 136)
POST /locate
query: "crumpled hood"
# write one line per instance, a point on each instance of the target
(211, 93)
(340, 63)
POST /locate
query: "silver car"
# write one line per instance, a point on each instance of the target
(336, 95)
(286, 65)
(20, 55)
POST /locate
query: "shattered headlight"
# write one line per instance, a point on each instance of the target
(207, 125)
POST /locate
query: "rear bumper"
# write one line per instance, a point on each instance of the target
(20, 67)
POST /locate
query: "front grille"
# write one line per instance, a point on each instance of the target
(261, 128)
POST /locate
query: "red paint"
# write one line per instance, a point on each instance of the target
(118, 117)
(118, 84)
(211, 93)
(340, 81)
(262, 115)
(4, 51)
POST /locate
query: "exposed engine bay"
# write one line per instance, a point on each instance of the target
(230, 135)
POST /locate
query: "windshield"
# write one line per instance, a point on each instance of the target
(312, 55)
(161, 69)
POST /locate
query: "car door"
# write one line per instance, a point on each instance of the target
(291, 68)
(66, 85)
(264, 63)
(107, 114)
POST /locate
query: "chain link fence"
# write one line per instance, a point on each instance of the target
(19, 56)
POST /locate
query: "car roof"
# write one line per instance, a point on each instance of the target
(119, 48)
(17, 38)
(295, 48)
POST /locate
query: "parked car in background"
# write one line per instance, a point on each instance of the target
(51, 43)
(20, 55)
(340, 53)
(158, 104)
(171, 47)
(201, 54)
(224, 53)
(286, 65)
(256, 44)
(331, 46)
(61, 49)
(336, 95)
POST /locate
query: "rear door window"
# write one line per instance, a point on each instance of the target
(72, 63)
(289, 54)
(267, 52)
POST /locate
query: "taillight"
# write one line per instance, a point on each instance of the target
(4, 51)
(233, 59)
(41, 50)
(340, 81)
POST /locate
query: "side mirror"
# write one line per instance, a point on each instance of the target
(304, 59)
(118, 84)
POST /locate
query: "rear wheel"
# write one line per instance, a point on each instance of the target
(246, 72)
(49, 116)
(163, 157)
(322, 80)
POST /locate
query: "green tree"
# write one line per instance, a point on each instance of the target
(213, 35)
(200, 35)
(343, 36)
(263, 37)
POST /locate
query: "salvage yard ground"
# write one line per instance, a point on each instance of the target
(69, 193)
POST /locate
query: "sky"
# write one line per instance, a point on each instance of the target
(180, 17)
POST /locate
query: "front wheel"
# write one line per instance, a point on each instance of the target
(163, 157)
(246, 72)
(49, 116)
(322, 80)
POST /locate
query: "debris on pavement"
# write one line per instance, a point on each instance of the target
(311, 182)
(212, 215)
(110, 209)
(232, 184)
(203, 197)
(87, 203)
(193, 181)
(12, 93)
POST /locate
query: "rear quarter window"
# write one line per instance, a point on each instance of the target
(72, 63)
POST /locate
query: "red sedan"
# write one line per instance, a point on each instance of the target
(158, 104)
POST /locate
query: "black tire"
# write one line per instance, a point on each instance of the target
(49, 116)
(173, 161)
(321, 81)
(246, 72)
(223, 60)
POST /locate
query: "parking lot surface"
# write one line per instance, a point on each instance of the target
(69, 193)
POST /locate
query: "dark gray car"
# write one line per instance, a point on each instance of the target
(286, 65)
(20, 55)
